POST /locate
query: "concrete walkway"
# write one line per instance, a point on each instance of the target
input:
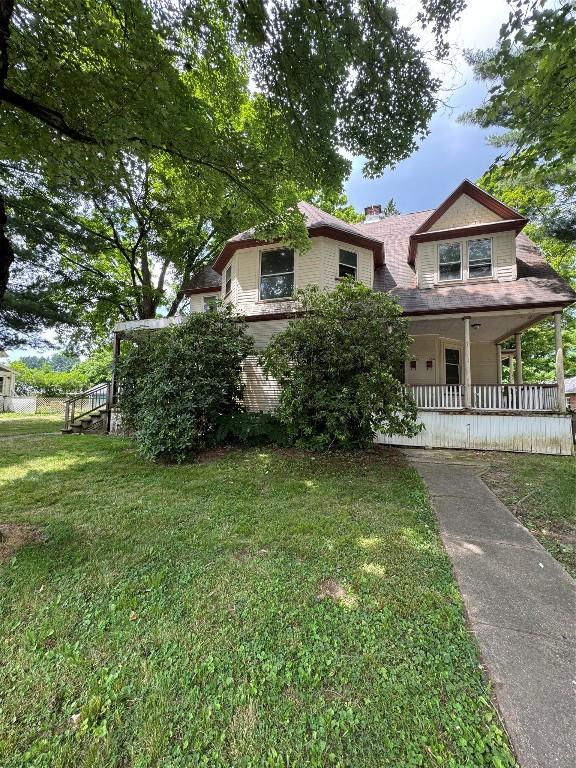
(521, 605)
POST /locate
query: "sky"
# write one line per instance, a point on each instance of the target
(452, 151)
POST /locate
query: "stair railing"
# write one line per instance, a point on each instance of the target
(87, 402)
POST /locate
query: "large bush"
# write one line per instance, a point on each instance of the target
(177, 384)
(339, 368)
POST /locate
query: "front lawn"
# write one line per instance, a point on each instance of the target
(24, 424)
(258, 609)
(541, 492)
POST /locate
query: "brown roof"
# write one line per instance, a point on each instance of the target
(204, 281)
(537, 284)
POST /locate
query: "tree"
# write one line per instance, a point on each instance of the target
(338, 367)
(61, 374)
(532, 94)
(86, 86)
(178, 383)
(537, 199)
(390, 209)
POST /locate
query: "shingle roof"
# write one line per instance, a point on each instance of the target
(206, 278)
(537, 283)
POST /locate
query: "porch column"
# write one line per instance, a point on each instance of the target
(467, 368)
(518, 340)
(559, 362)
(115, 355)
(511, 369)
(499, 363)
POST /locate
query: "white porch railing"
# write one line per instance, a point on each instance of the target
(487, 397)
(431, 397)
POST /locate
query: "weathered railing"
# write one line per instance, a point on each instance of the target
(87, 403)
(438, 396)
(515, 397)
(487, 397)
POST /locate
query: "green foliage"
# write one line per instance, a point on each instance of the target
(56, 376)
(252, 429)
(532, 78)
(540, 201)
(172, 618)
(338, 367)
(390, 209)
(137, 136)
(177, 384)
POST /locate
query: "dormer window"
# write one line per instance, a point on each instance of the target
(276, 274)
(450, 261)
(480, 257)
(347, 264)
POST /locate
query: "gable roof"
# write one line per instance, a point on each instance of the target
(318, 223)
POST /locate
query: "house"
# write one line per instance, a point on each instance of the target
(7, 379)
(468, 280)
(570, 390)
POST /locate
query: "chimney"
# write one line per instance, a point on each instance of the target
(372, 213)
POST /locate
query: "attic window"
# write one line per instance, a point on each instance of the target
(276, 274)
(449, 261)
(480, 257)
(347, 264)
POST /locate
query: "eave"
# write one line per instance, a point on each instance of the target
(324, 230)
(210, 289)
(517, 224)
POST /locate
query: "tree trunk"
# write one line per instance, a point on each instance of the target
(6, 250)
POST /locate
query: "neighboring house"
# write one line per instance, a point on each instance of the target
(570, 390)
(7, 380)
(468, 280)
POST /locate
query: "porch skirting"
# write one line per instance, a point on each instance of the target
(525, 433)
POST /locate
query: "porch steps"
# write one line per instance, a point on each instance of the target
(93, 422)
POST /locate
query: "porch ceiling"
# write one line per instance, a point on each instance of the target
(493, 327)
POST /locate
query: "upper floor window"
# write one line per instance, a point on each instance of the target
(277, 274)
(450, 261)
(347, 264)
(228, 280)
(480, 257)
(210, 303)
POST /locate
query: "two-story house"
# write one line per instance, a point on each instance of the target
(468, 280)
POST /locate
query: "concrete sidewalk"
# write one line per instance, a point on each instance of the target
(521, 605)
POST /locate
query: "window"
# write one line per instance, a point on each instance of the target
(228, 280)
(480, 257)
(210, 303)
(452, 366)
(450, 261)
(1, 383)
(277, 274)
(347, 264)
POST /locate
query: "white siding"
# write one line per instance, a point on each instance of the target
(484, 367)
(197, 300)
(503, 260)
(422, 350)
(260, 393)
(462, 212)
(263, 330)
(430, 348)
(503, 432)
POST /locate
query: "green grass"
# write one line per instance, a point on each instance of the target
(22, 424)
(172, 618)
(541, 492)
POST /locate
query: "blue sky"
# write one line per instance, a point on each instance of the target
(452, 151)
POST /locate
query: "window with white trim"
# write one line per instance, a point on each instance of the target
(449, 261)
(228, 280)
(480, 257)
(276, 274)
(347, 263)
(210, 303)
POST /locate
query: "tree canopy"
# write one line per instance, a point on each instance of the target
(230, 110)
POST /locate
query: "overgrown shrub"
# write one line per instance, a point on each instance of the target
(177, 384)
(252, 429)
(339, 367)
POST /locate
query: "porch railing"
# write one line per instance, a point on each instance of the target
(87, 403)
(487, 397)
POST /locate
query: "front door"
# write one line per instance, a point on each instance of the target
(452, 358)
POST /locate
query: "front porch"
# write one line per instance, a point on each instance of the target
(455, 375)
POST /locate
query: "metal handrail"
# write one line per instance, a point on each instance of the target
(96, 398)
